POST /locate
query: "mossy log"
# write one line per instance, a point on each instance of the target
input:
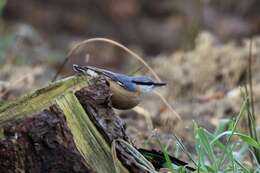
(68, 126)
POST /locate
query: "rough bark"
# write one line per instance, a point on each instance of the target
(40, 144)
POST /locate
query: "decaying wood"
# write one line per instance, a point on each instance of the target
(42, 143)
(47, 135)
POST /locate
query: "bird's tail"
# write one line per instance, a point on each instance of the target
(159, 84)
(156, 84)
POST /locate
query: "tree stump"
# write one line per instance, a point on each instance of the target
(66, 127)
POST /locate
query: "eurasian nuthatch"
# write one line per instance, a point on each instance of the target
(127, 91)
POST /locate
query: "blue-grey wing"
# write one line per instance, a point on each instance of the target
(125, 81)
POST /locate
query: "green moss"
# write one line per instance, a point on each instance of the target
(40, 99)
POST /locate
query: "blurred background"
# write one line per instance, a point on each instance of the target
(200, 48)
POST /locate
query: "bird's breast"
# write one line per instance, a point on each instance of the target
(122, 98)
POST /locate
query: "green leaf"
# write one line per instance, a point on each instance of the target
(245, 138)
(223, 124)
(166, 156)
(207, 147)
(217, 143)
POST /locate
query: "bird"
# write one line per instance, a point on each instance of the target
(127, 91)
